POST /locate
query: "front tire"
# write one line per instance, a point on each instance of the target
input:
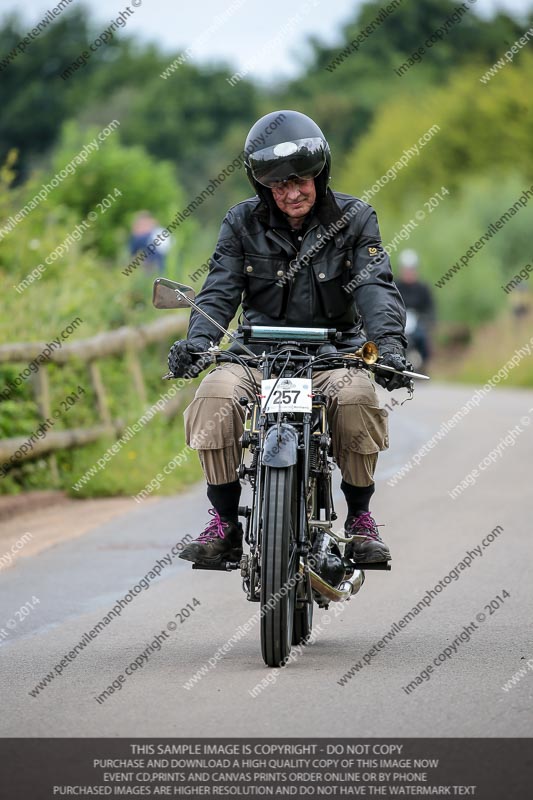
(278, 566)
(303, 622)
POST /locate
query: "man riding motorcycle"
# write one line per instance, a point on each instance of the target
(297, 254)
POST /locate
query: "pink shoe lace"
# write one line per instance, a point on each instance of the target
(214, 529)
(365, 525)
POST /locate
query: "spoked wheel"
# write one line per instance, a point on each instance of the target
(279, 566)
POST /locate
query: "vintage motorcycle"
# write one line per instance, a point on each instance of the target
(295, 555)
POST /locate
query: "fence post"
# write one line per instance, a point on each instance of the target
(41, 391)
(135, 369)
(98, 386)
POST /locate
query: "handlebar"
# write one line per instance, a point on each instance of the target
(329, 358)
(318, 361)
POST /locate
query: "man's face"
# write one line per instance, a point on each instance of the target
(295, 198)
(409, 274)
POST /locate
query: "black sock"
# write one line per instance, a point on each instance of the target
(224, 497)
(357, 497)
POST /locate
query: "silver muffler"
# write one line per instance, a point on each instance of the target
(337, 594)
(354, 583)
(334, 585)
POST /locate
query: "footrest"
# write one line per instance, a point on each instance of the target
(224, 566)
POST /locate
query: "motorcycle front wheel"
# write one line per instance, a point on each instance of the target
(303, 622)
(279, 565)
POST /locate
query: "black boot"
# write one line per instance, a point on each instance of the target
(220, 541)
(371, 548)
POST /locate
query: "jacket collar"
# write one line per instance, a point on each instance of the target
(327, 212)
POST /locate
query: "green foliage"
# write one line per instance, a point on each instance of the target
(128, 175)
(473, 295)
(169, 117)
(365, 83)
(178, 133)
(35, 100)
(17, 416)
(494, 344)
(482, 127)
(481, 155)
(86, 280)
(135, 465)
(127, 473)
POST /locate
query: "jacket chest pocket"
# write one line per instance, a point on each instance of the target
(266, 284)
(330, 279)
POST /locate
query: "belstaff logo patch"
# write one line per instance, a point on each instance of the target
(372, 251)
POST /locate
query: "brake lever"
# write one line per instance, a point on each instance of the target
(405, 372)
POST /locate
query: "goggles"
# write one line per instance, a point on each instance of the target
(301, 158)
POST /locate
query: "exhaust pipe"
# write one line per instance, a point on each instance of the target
(354, 583)
(339, 594)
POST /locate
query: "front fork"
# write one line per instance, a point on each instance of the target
(322, 499)
(250, 565)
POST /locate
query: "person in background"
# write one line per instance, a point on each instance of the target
(420, 308)
(521, 303)
(144, 230)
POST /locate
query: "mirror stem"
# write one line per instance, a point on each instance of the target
(214, 322)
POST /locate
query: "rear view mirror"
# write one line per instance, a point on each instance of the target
(165, 295)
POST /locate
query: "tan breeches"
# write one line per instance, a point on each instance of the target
(214, 421)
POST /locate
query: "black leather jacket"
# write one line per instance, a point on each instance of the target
(340, 277)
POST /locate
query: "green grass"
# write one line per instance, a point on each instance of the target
(491, 348)
(136, 465)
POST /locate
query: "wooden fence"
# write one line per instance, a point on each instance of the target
(126, 341)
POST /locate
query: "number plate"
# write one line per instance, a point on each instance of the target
(290, 394)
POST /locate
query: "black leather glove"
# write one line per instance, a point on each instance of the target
(392, 354)
(184, 360)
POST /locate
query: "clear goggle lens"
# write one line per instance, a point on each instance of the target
(301, 159)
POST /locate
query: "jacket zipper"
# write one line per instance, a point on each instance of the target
(290, 276)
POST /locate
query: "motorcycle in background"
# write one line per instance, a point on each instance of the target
(417, 340)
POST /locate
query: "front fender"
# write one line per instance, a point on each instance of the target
(280, 450)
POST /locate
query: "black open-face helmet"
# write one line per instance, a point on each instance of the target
(284, 145)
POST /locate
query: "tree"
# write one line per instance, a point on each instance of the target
(350, 85)
(482, 128)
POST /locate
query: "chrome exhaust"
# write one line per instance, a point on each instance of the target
(354, 583)
(339, 594)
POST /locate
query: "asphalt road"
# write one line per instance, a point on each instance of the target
(77, 582)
